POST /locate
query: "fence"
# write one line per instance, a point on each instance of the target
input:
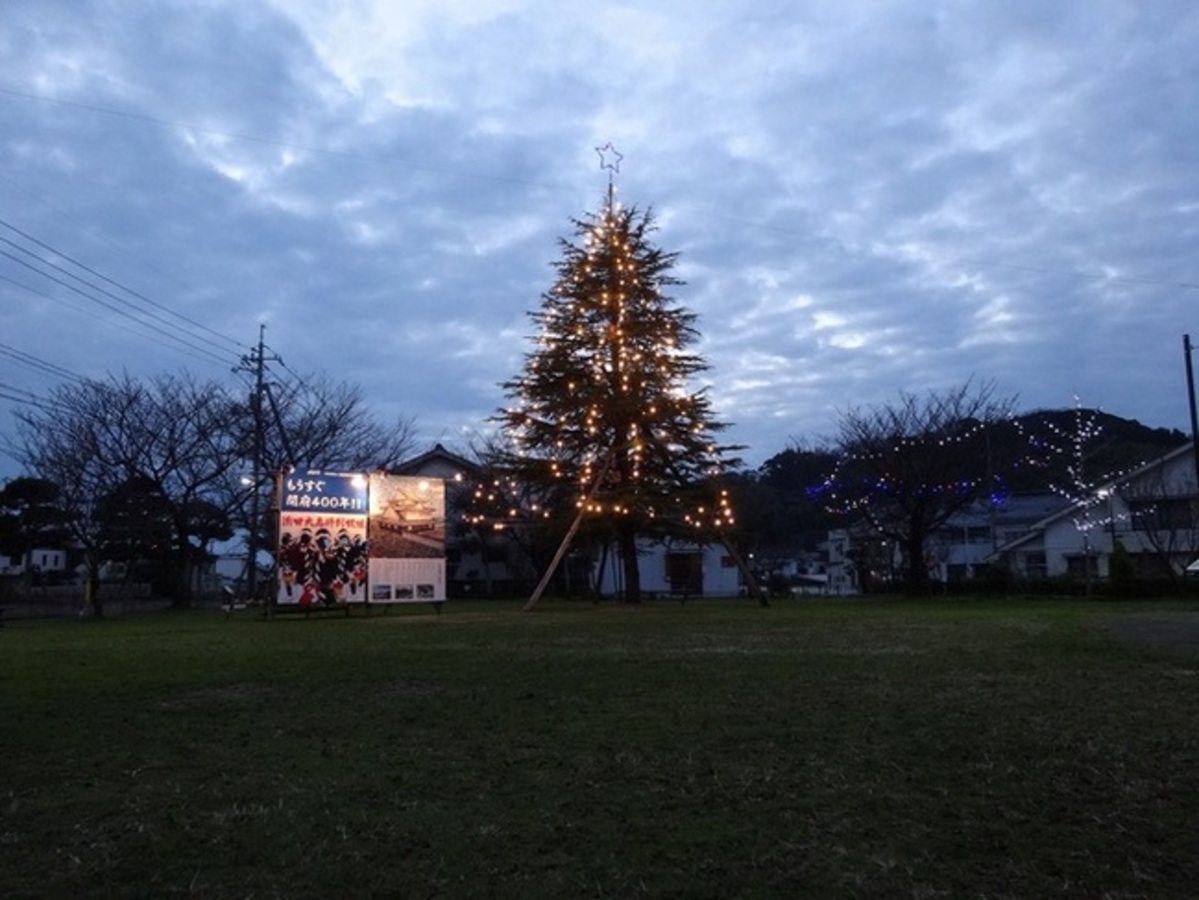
(23, 601)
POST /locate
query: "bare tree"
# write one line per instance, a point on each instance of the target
(191, 442)
(62, 443)
(906, 467)
(1069, 452)
(324, 425)
(1163, 513)
(171, 433)
(308, 422)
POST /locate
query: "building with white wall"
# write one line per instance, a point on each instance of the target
(1153, 512)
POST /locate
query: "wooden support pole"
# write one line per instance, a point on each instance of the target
(570, 535)
(553, 566)
(750, 581)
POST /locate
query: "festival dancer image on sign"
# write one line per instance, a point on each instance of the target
(316, 568)
(322, 548)
(294, 562)
(353, 555)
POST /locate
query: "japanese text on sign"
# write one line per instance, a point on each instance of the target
(307, 501)
(330, 492)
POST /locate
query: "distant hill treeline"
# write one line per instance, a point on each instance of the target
(1108, 446)
(782, 507)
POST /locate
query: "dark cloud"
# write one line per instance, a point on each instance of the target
(865, 199)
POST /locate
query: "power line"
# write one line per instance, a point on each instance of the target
(118, 285)
(116, 309)
(293, 373)
(80, 225)
(111, 323)
(30, 360)
(20, 395)
(107, 293)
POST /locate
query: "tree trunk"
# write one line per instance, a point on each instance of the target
(917, 570)
(92, 605)
(183, 579)
(597, 587)
(488, 580)
(631, 563)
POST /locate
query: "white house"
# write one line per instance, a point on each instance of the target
(39, 560)
(1153, 512)
(962, 548)
(677, 568)
(842, 579)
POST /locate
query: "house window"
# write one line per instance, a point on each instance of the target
(1078, 566)
(685, 573)
(1035, 565)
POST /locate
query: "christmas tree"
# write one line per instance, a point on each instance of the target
(603, 404)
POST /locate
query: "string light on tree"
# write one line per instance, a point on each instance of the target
(905, 468)
(603, 402)
(1084, 495)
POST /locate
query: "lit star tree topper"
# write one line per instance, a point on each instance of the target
(604, 403)
(610, 159)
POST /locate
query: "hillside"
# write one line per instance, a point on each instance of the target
(782, 506)
(1109, 445)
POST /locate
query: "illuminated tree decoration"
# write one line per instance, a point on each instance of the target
(1085, 496)
(603, 402)
(905, 468)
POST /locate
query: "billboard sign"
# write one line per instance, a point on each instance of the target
(407, 539)
(348, 538)
(322, 550)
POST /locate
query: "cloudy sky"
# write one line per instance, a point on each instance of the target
(867, 197)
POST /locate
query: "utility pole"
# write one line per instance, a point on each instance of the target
(1186, 350)
(255, 363)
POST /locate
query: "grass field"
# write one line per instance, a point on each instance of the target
(975, 749)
